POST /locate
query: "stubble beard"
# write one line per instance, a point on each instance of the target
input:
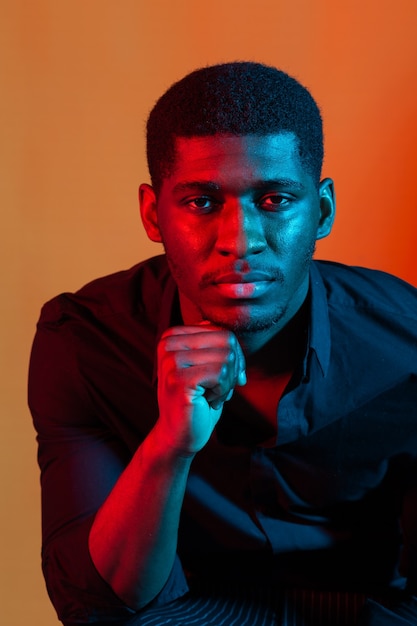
(240, 322)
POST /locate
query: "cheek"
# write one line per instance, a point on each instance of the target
(294, 243)
(283, 238)
(301, 232)
(193, 248)
(179, 236)
(183, 260)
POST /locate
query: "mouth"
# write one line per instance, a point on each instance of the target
(243, 286)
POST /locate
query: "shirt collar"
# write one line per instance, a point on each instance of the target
(319, 339)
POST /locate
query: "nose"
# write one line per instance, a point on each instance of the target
(240, 230)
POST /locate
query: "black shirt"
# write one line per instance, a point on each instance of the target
(331, 504)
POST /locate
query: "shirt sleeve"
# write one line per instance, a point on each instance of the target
(81, 458)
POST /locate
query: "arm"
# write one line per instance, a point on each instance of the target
(133, 539)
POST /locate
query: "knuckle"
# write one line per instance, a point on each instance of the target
(162, 345)
(171, 380)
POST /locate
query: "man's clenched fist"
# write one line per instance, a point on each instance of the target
(198, 369)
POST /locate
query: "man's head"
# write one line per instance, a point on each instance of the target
(235, 154)
(241, 98)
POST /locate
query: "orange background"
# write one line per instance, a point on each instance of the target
(78, 78)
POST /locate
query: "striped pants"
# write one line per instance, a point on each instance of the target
(292, 607)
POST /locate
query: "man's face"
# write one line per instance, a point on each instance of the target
(239, 218)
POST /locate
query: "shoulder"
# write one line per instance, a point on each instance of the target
(94, 349)
(129, 292)
(363, 288)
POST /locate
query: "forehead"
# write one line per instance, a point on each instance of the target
(248, 155)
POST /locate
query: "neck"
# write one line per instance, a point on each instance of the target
(275, 353)
(253, 342)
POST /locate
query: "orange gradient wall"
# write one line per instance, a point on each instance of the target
(77, 81)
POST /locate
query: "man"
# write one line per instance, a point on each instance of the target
(227, 434)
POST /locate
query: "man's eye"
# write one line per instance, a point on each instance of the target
(274, 202)
(202, 204)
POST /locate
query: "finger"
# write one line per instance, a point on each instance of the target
(208, 340)
(192, 358)
(240, 366)
(195, 328)
(196, 337)
(215, 382)
(196, 340)
(208, 358)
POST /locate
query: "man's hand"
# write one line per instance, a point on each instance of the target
(198, 369)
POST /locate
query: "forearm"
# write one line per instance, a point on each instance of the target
(133, 539)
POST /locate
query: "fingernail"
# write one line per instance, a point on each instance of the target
(241, 379)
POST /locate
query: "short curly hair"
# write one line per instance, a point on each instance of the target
(238, 98)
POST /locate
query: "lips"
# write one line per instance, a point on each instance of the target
(246, 277)
(243, 286)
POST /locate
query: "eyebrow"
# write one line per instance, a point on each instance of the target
(260, 185)
(189, 185)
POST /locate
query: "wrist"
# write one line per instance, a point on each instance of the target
(167, 447)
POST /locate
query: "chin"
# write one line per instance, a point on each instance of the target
(243, 324)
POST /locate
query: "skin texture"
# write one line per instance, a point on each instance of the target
(238, 217)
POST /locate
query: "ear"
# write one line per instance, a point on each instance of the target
(327, 207)
(148, 212)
